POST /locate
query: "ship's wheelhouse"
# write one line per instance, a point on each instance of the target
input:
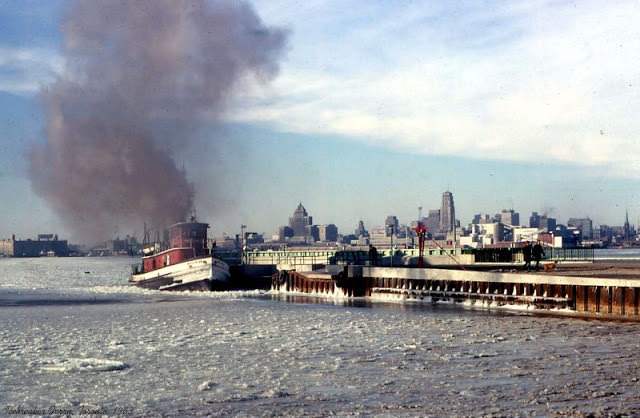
(189, 235)
(187, 240)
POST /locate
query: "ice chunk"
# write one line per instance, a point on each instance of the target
(79, 365)
(206, 385)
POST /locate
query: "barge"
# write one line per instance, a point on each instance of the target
(602, 290)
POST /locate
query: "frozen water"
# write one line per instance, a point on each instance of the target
(77, 341)
(77, 365)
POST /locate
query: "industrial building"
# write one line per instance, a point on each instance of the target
(45, 245)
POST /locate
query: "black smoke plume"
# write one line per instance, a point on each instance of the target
(140, 75)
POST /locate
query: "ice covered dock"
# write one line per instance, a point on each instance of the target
(603, 289)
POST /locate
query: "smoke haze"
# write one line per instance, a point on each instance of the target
(139, 76)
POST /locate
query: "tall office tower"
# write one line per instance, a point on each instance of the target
(360, 230)
(447, 213)
(547, 224)
(285, 232)
(327, 233)
(482, 218)
(510, 217)
(534, 220)
(433, 221)
(391, 224)
(300, 222)
(542, 222)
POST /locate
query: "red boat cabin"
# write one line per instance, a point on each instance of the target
(187, 240)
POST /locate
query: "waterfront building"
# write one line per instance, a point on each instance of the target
(119, 246)
(252, 238)
(584, 225)
(613, 235)
(45, 245)
(469, 241)
(487, 233)
(492, 233)
(228, 243)
(520, 234)
(570, 236)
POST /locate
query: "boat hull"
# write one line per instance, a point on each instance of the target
(198, 274)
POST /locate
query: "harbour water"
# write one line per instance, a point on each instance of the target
(77, 339)
(617, 254)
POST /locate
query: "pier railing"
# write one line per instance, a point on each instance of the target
(361, 257)
(291, 257)
(338, 257)
(570, 254)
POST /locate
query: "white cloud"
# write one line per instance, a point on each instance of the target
(528, 82)
(24, 71)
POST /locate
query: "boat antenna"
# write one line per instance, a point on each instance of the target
(145, 238)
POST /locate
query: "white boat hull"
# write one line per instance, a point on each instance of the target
(205, 273)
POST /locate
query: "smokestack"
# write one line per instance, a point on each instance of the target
(139, 76)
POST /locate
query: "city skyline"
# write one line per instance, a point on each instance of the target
(302, 220)
(370, 111)
(301, 228)
(444, 224)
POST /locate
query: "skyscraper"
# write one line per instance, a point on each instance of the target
(300, 222)
(360, 230)
(391, 225)
(510, 217)
(327, 233)
(447, 213)
(548, 224)
(534, 220)
(433, 221)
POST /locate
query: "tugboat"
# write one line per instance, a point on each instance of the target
(184, 263)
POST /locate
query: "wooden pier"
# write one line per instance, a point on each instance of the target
(606, 290)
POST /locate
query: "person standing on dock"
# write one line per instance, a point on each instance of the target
(538, 252)
(526, 252)
(373, 255)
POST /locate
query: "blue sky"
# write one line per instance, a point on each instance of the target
(380, 107)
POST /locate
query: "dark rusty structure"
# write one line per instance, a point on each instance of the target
(588, 291)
